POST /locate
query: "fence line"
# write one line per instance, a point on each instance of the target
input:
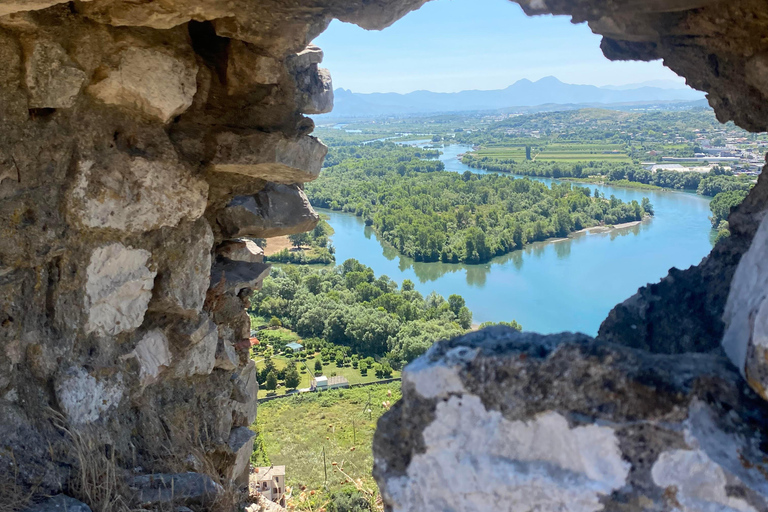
(358, 385)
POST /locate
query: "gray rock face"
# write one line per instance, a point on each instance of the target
(53, 80)
(270, 156)
(150, 82)
(245, 395)
(241, 250)
(118, 289)
(59, 503)
(241, 444)
(566, 423)
(277, 210)
(235, 276)
(175, 489)
(84, 398)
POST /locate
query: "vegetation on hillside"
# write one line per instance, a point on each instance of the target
(329, 433)
(348, 306)
(440, 216)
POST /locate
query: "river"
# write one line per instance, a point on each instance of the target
(548, 287)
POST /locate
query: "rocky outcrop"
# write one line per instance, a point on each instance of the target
(564, 422)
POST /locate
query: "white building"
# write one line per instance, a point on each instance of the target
(271, 483)
(323, 383)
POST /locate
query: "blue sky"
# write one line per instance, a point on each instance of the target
(453, 45)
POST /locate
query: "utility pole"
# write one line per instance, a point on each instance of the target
(354, 434)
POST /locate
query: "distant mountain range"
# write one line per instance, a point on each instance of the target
(523, 93)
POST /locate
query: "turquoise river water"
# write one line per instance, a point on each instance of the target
(567, 285)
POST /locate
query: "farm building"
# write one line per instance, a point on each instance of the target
(295, 347)
(323, 383)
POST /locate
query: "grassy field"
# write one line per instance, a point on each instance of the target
(568, 152)
(295, 431)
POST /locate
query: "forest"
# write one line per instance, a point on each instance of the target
(443, 216)
(349, 306)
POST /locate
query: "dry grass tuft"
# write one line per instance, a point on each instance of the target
(96, 481)
(13, 497)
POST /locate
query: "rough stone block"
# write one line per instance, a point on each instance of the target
(183, 276)
(246, 68)
(566, 423)
(241, 250)
(746, 314)
(245, 395)
(316, 91)
(166, 489)
(118, 289)
(149, 82)
(199, 354)
(312, 54)
(226, 357)
(238, 275)
(59, 503)
(135, 194)
(277, 210)
(241, 444)
(53, 80)
(153, 356)
(84, 398)
(270, 156)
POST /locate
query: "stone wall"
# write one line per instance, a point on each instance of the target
(143, 142)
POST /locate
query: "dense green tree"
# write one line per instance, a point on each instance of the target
(271, 381)
(299, 239)
(722, 203)
(292, 378)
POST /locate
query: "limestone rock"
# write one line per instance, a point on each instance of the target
(12, 6)
(246, 68)
(315, 91)
(153, 356)
(241, 250)
(84, 398)
(746, 314)
(183, 277)
(135, 194)
(198, 357)
(238, 275)
(166, 489)
(565, 423)
(118, 288)
(245, 395)
(53, 80)
(241, 444)
(270, 156)
(226, 357)
(149, 82)
(59, 503)
(312, 54)
(277, 210)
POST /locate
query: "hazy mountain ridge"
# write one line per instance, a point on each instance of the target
(523, 93)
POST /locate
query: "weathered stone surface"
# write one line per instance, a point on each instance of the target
(245, 395)
(135, 194)
(12, 6)
(247, 68)
(59, 503)
(53, 80)
(234, 276)
(241, 444)
(198, 356)
(312, 54)
(153, 356)
(118, 288)
(226, 357)
(746, 314)
(149, 82)
(316, 91)
(175, 489)
(270, 156)
(276, 210)
(566, 423)
(183, 277)
(84, 398)
(241, 250)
